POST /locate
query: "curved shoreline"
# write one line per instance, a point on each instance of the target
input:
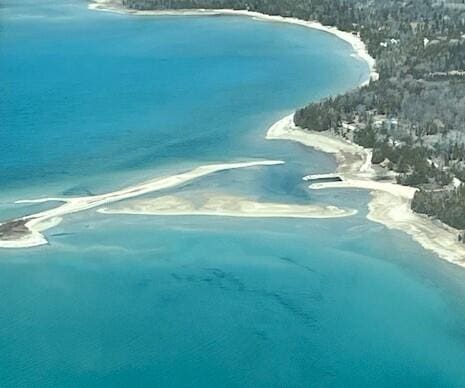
(357, 44)
(390, 203)
(358, 172)
(29, 228)
(389, 206)
(25, 232)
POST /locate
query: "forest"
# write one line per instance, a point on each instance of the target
(413, 117)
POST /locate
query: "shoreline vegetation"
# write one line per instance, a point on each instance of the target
(117, 6)
(360, 134)
(391, 202)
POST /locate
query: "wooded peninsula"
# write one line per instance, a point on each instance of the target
(413, 116)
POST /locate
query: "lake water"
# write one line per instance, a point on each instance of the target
(91, 102)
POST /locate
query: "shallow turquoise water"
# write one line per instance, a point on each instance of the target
(93, 101)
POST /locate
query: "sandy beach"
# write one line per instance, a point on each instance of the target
(224, 206)
(357, 44)
(390, 204)
(26, 232)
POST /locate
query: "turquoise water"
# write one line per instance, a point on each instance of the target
(94, 101)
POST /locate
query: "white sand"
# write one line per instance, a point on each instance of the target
(224, 206)
(44, 220)
(390, 205)
(354, 40)
(351, 157)
(36, 223)
(391, 202)
(394, 211)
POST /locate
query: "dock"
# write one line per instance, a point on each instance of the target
(323, 178)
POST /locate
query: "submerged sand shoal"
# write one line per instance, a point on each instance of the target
(389, 206)
(390, 203)
(224, 206)
(27, 231)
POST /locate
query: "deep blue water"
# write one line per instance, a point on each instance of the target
(92, 101)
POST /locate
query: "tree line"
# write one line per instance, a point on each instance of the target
(414, 115)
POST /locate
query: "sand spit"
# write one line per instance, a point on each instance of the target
(390, 204)
(26, 231)
(224, 206)
(354, 40)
